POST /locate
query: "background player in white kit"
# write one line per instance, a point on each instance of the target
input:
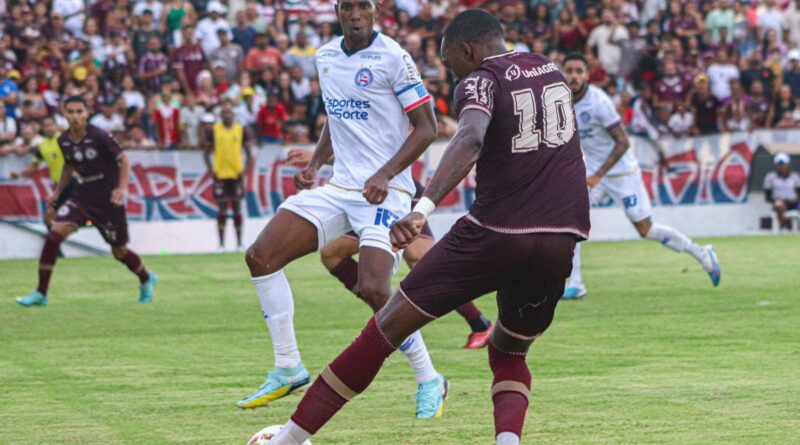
(614, 171)
(371, 89)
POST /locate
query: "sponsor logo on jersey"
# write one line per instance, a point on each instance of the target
(514, 72)
(349, 109)
(327, 53)
(371, 57)
(364, 78)
(629, 201)
(411, 69)
(78, 156)
(479, 90)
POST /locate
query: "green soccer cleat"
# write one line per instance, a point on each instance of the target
(431, 396)
(34, 298)
(147, 290)
(279, 383)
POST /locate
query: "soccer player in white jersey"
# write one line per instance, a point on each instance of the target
(614, 172)
(372, 92)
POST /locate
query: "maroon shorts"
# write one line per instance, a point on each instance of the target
(110, 219)
(527, 271)
(231, 189)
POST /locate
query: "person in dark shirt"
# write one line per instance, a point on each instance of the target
(531, 208)
(102, 169)
(705, 108)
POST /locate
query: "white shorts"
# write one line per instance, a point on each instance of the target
(627, 190)
(334, 211)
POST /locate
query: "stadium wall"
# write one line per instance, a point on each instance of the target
(704, 192)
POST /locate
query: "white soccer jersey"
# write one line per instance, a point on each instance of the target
(596, 115)
(367, 95)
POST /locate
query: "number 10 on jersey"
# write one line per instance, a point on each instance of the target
(558, 121)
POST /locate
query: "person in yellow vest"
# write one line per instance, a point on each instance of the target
(227, 164)
(50, 152)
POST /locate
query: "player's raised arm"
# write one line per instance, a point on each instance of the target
(424, 132)
(460, 156)
(323, 152)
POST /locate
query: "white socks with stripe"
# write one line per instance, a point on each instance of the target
(417, 354)
(678, 242)
(277, 305)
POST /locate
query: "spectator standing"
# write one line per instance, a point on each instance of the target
(733, 113)
(681, 121)
(302, 54)
(154, 6)
(191, 114)
(188, 60)
(780, 115)
(73, 13)
(782, 188)
(9, 90)
(720, 74)
(756, 71)
(27, 142)
(770, 18)
(263, 57)
(705, 108)
(758, 109)
(271, 119)
(300, 85)
(791, 24)
(165, 111)
(721, 16)
(230, 55)
(153, 65)
(791, 75)
(107, 120)
(606, 39)
(8, 131)
(208, 28)
(143, 32)
(244, 34)
(672, 87)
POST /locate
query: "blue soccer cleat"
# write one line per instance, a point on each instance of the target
(431, 396)
(279, 383)
(147, 290)
(574, 293)
(715, 273)
(34, 298)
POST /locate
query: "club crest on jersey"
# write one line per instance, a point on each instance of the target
(78, 156)
(512, 72)
(363, 78)
(585, 117)
(91, 153)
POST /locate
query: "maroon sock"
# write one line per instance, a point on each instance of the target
(47, 260)
(511, 379)
(135, 265)
(355, 368)
(222, 218)
(469, 311)
(347, 272)
(237, 224)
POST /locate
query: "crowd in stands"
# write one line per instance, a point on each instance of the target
(156, 72)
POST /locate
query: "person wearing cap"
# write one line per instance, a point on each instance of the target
(155, 7)
(230, 55)
(791, 75)
(782, 189)
(208, 27)
(247, 107)
(9, 90)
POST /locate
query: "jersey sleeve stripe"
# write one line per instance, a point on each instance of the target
(406, 88)
(475, 107)
(417, 103)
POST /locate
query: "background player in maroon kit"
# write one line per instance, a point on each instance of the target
(102, 168)
(337, 257)
(516, 121)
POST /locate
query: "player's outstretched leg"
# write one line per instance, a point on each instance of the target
(47, 261)
(375, 271)
(286, 238)
(353, 370)
(481, 326)
(575, 287)
(222, 219)
(677, 241)
(147, 280)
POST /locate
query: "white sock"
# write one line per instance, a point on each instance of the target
(506, 438)
(678, 242)
(290, 434)
(576, 278)
(277, 305)
(417, 354)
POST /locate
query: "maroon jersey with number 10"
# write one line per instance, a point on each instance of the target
(530, 175)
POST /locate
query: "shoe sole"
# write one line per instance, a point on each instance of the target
(280, 393)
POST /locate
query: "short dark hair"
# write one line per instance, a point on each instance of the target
(575, 56)
(76, 100)
(473, 25)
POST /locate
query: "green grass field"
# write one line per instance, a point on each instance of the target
(654, 355)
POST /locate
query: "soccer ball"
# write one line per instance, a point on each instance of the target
(263, 436)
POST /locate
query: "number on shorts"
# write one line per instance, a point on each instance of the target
(558, 121)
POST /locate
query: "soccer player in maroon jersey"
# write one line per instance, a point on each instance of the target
(102, 169)
(531, 208)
